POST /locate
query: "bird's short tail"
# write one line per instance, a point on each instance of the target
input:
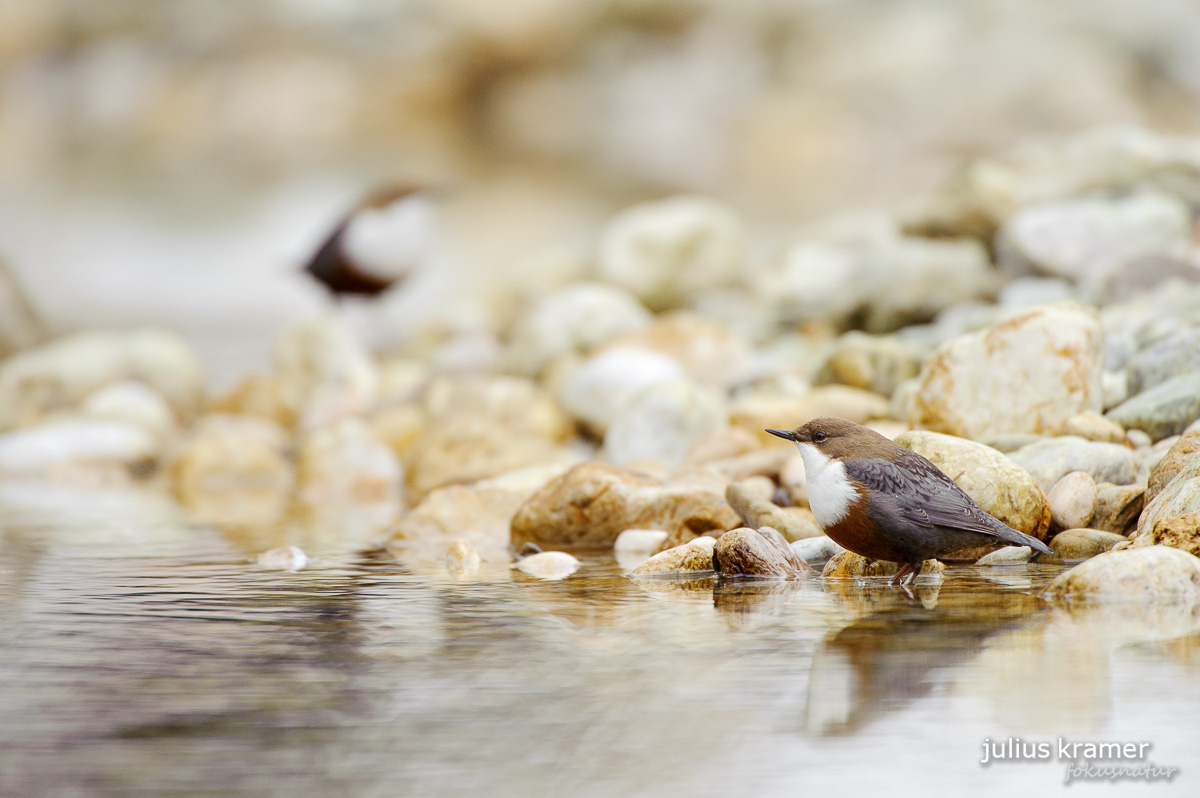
(1010, 535)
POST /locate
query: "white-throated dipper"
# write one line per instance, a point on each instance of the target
(886, 502)
(384, 239)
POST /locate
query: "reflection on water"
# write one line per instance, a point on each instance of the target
(141, 653)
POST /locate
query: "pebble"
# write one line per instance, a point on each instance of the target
(869, 362)
(640, 540)
(344, 463)
(695, 556)
(1079, 544)
(1166, 409)
(709, 352)
(1073, 500)
(1173, 356)
(1049, 460)
(1028, 374)
(476, 513)
(662, 424)
(1009, 555)
(1179, 496)
(603, 384)
(1184, 450)
(550, 565)
(77, 442)
(793, 523)
(1095, 427)
(462, 559)
(135, 402)
(257, 395)
(817, 550)
(849, 565)
(286, 558)
(761, 553)
(325, 372)
(1118, 507)
(1153, 574)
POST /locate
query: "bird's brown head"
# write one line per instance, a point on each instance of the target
(840, 439)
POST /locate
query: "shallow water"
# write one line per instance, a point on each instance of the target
(141, 654)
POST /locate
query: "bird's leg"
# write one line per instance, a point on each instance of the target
(914, 570)
(902, 574)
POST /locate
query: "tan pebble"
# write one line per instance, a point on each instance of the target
(692, 557)
(548, 565)
(1073, 500)
(286, 558)
(461, 558)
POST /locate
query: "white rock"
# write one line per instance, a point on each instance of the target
(662, 423)
(640, 540)
(325, 373)
(78, 441)
(817, 550)
(548, 565)
(577, 318)
(59, 374)
(1073, 500)
(462, 559)
(135, 402)
(1009, 555)
(1029, 374)
(667, 251)
(606, 382)
(345, 463)
(287, 558)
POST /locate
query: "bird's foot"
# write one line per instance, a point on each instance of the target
(906, 575)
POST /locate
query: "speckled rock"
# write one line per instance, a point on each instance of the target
(1079, 544)
(594, 502)
(1183, 451)
(1178, 532)
(757, 410)
(849, 565)
(1030, 373)
(234, 467)
(1095, 427)
(695, 556)
(1009, 555)
(58, 375)
(325, 373)
(1118, 507)
(550, 565)
(997, 484)
(662, 423)
(1072, 500)
(344, 463)
(1134, 575)
(478, 427)
(761, 553)
(286, 558)
(577, 318)
(816, 550)
(673, 249)
(1172, 356)
(794, 523)
(1049, 460)
(872, 363)
(1166, 409)
(596, 390)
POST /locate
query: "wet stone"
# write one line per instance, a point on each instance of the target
(762, 553)
(1179, 532)
(1080, 544)
(695, 556)
(287, 558)
(849, 565)
(817, 550)
(461, 558)
(1118, 507)
(550, 565)
(1009, 555)
(1154, 574)
(1073, 500)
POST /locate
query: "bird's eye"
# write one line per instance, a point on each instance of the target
(819, 437)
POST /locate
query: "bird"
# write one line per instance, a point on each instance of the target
(878, 499)
(382, 240)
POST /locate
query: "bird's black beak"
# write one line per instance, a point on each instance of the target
(782, 433)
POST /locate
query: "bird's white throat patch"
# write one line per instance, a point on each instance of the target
(830, 491)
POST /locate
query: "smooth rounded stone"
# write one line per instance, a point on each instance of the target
(887, 279)
(607, 381)
(1136, 439)
(257, 395)
(1118, 507)
(668, 251)
(58, 446)
(849, 565)
(1029, 374)
(345, 463)
(1049, 460)
(1086, 240)
(234, 467)
(325, 373)
(794, 523)
(1095, 427)
(1009, 555)
(695, 556)
(662, 424)
(873, 363)
(761, 553)
(710, 353)
(285, 558)
(758, 410)
(550, 565)
(594, 502)
(477, 427)
(58, 375)
(1166, 409)
(640, 540)
(1079, 544)
(794, 479)
(816, 550)
(576, 318)
(462, 559)
(477, 514)
(1183, 451)
(998, 485)
(1154, 574)
(135, 402)
(1072, 500)
(1114, 387)
(1173, 356)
